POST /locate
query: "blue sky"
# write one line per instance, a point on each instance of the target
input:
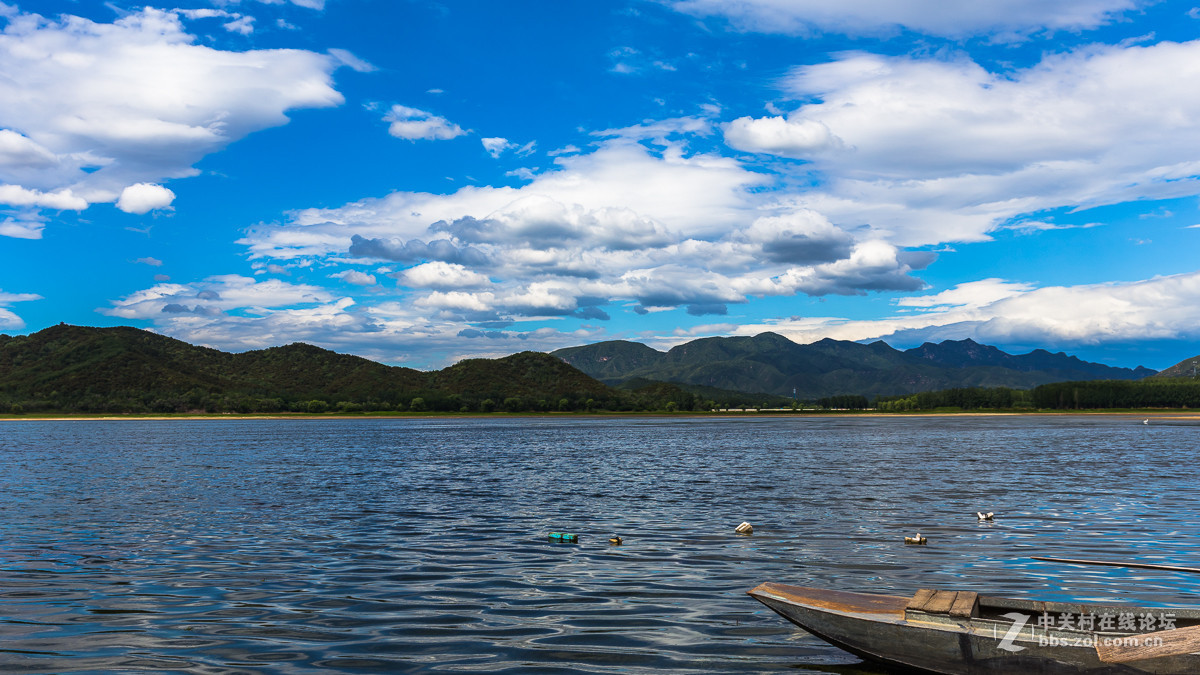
(419, 182)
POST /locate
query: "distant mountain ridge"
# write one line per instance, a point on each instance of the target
(771, 363)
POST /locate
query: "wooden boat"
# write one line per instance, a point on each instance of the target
(963, 632)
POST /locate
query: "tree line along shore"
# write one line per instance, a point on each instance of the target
(1058, 397)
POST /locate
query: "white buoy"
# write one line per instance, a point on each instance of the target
(745, 528)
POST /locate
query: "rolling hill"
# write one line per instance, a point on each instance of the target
(79, 368)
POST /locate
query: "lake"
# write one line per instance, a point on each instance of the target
(419, 545)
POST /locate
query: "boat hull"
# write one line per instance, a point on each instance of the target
(880, 628)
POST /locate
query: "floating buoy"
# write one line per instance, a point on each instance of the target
(615, 540)
(985, 516)
(745, 528)
(564, 537)
(918, 540)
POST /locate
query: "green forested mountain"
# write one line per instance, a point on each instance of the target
(613, 359)
(771, 363)
(76, 368)
(82, 369)
(1189, 368)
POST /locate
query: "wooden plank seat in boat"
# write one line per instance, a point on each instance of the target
(958, 604)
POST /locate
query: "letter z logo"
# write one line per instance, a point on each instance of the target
(1019, 620)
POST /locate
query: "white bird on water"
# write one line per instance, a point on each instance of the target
(985, 516)
(1145, 421)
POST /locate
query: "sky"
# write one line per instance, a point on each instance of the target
(423, 181)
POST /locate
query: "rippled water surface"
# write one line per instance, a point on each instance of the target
(419, 545)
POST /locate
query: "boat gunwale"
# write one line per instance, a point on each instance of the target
(856, 603)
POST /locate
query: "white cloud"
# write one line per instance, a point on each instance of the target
(662, 132)
(496, 146)
(237, 23)
(348, 59)
(144, 197)
(776, 135)
(195, 14)
(19, 152)
(1007, 18)
(441, 275)
(973, 294)
(92, 108)
(26, 228)
(482, 302)
(1000, 312)
(414, 124)
(214, 296)
(927, 151)
(619, 224)
(7, 318)
(355, 277)
(148, 260)
(61, 200)
(243, 25)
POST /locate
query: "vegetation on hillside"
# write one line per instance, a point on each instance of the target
(122, 370)
(127, 370)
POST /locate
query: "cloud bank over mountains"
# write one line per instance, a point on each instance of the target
(847, 174)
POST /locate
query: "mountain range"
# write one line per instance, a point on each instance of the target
(121, 369)
(771, 363)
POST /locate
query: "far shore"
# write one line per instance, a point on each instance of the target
(1157, 414)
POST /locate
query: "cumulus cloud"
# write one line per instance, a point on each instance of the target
(1005, 18)
(800, 237)
(622, 224)
(144, 197)
(779, 136)
(61, 200)
(415, 250)
(414, 124)
(929, 150)
(91, 109)
(441, 275)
